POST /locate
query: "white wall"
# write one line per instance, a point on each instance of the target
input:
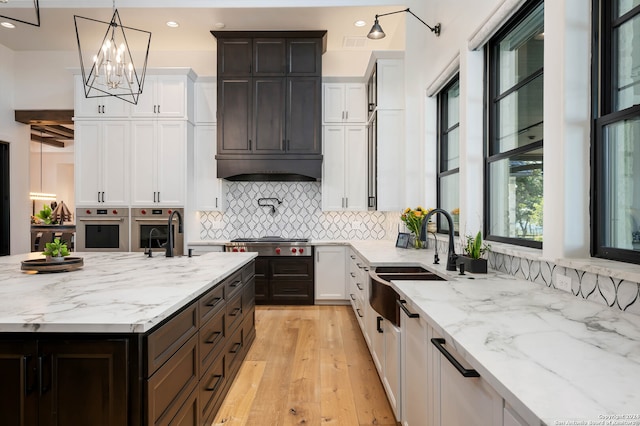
(566, 115)
(17, 136)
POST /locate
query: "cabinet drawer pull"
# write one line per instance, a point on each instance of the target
(211, 387)
(406, 310)
(235, 283)
(213, 337)
(359, 265)
(236, 348)
(352, 296)
(353, 275)
(235, 312)
(379, 325)
(352, 257)
(358, 311)
(359, 286)
(213, 302)
(438, 343)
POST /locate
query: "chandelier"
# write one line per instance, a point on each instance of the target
(23, 19)
(109, 66)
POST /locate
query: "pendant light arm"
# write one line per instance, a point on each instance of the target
(435, 29)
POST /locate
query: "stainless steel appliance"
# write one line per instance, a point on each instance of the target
(284, 269)
(149, 229)
(102, 229)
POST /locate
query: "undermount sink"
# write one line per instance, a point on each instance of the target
(383, 298)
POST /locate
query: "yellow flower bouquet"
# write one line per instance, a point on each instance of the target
(413, 218)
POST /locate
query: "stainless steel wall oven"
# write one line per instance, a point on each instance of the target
(102, 229)
(149, 229)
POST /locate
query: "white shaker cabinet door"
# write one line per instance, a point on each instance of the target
(330, 273)
(172, 161)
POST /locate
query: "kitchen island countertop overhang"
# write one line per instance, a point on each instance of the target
(112, 293)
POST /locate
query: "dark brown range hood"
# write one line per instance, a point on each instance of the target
(285, 169)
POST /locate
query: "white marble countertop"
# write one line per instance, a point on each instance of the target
(112, 293)
(548, 353)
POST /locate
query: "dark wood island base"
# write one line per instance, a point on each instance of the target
(175, 374)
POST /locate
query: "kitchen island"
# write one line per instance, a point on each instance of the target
(544, 355)
(126, 340)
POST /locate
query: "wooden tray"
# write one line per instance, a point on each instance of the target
(41, 265)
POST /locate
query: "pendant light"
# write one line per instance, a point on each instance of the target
(21, 19)
(109, 67)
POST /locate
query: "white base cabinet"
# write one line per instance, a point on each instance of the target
(344, 168)
(159, 162)
(102, 166)
(330, 273)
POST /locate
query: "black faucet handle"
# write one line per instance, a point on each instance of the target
(150, 252)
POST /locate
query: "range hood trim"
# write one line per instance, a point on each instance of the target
(249, 168)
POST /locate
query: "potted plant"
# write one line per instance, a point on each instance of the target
(472, 256)
(56, 250)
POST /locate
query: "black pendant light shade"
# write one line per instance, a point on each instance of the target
(376, 32)
(30, 18)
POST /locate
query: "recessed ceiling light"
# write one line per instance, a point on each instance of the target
(220, 25)
(7, 25)
(173, 24)
(360, 23)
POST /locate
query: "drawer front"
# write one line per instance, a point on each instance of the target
(234, 353)
(248, 271)
(232, 284)
(211, 303)
(165, 341)
(292, 291)
(211, 386)
(211, 337)
(233, 314)
(172, 384)
(188, 414)
(295, 268)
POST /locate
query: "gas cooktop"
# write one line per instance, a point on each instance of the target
(270, 239)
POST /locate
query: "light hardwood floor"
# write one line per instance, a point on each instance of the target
(308, 365)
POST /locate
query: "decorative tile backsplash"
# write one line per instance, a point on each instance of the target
(612, 292)
(299, 215)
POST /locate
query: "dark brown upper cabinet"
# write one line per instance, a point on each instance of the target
(269, 96)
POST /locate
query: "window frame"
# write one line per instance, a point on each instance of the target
(492, 97)
(604, 113)
(442, 117)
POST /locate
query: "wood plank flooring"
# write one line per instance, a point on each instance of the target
(308, 365)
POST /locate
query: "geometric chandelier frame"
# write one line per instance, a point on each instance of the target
(109, 67)
(36, 6)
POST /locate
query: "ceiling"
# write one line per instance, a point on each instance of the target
(57, 29)
(196, 18)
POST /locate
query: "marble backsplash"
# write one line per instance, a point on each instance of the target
(300, 215)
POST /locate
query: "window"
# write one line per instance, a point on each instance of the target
(515, 61)
(449, 153)
(615, 191)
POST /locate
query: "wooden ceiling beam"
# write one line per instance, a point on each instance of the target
(61, 131)
(47, 141)
(44, 116)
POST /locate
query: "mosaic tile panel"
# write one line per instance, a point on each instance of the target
(299, 215)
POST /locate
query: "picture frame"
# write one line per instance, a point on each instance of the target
(403, 240)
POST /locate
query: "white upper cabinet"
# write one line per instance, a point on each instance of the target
(390, 84)
(344, 103)
(344, 168)
(159, 162)
(209, 191)
(102, 163)
(103, 107)
(205, 102)
(163, 96)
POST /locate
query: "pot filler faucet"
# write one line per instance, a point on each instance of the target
(169, 251)
(451, 255)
